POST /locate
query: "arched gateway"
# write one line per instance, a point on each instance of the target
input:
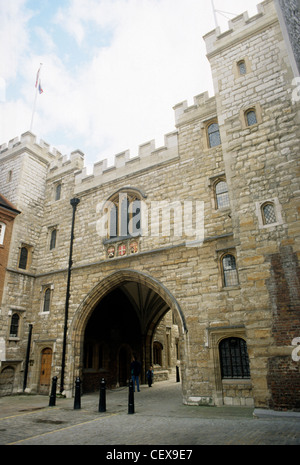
(116, 320)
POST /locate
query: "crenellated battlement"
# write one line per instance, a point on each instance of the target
(56, 161)
(204, 107)
(241, 25)
(148, 156)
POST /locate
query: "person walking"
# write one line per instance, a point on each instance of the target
(135, 368)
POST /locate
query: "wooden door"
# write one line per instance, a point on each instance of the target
(45, 378)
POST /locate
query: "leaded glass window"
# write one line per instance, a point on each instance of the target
(234, 358)
(23, 258)
(251, 117)
(222, 196)
(230, 276)
(269, 215)
(213, 135)
(14, 325)
(47, 296)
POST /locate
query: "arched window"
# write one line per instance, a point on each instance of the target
(213, 134)
(47, 296)
(124, 215)
(2, 233)
(268, 213)
(230, 277)
(14, 325)
(23, 258)
(242, 67)
(53, 239)
(234, 358)
(251, 117)
(58, 192)
(221, 192)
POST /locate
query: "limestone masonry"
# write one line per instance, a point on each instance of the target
(185, 256)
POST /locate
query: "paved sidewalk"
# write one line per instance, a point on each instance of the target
(160, 418)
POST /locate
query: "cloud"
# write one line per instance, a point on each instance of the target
(14, 39)
(112, 69)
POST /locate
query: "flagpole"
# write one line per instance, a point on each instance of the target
(214, 11)
(35, 97)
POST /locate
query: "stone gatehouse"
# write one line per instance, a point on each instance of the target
(185, 255)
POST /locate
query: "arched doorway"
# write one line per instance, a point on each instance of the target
(118, 319)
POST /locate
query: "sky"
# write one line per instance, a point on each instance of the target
(112, 70)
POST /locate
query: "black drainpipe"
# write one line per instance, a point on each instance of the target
(27, 358)
(74, 202)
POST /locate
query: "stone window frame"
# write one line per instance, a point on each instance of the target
(17, 334)
(217, 181)
(57, 191)
(9, 176)
(220, 256)
(20, 312)
(51, 229)
(236, 67)
(29, 249)
(212, 183)
(207, 124)
(259, 212)
(126, 193)
(215, 336)
(44, 289)
(243, 116)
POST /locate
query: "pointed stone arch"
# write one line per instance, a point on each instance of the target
(138, 285)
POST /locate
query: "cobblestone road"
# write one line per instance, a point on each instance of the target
(160, 419)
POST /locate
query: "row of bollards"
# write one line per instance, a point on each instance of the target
(102, 399)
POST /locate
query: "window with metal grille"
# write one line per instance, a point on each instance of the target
(213, 132)
(222, 196)
(251, 117)
(234, 358)
(47, 296)
(230, 276)
(14, 325)
(268, 213)
(23, 258)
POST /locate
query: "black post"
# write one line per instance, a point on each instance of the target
(74, 202)
(131, 398)
(102, 401)
(27, 358)
(77, 402)
(177, 375)
(53, 392)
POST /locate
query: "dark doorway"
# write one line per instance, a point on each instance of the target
(112, 334)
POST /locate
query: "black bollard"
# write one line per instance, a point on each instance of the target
(131, 398)
(177, 375)
(102, 401)
(77, 404)
(53, 392)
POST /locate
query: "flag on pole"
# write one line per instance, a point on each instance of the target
(40, 87)
(37, 77)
